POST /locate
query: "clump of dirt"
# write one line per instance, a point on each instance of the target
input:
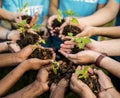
(57, 23)
(41, 33)
(71, 28)
(42, 53)
(27, 38)
(92, 82)
(76, 49)
(27, 18)
(65, 71)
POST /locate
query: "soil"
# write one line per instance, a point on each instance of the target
(70, 28)
(76, 50)
(27, 18)
(29, 38)
(56, 23)
(65, 71)
(41, 33)
(92, 82)
(42, 53)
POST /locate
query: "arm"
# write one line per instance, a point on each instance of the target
(31, 64)
(6, 15)
(10, 59)
(38, 87)
(53, 7)
(110, 47)
(103, 15)
(3, 46)
(88, 56)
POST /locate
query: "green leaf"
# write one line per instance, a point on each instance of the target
(78, 40)
(59, 12)
(70, 34)
(81, 45)
(54, 70)
(87, 40)
(74, 20)
(36, 27)
(24, 6)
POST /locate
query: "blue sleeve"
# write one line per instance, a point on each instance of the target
(102, 1)
(118, 1)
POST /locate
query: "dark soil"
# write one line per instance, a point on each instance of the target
(76, 50)
(27, 18)
(65, 71)
(41, 33)
(27, 39)
(42, 54)
(92, 82)
(56, 23)
(70, 28)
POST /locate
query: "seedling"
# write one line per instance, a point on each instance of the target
(36, 27)
(23, 9)
(55, 67)
(83, 74)
(21, 27)
(72, 14)
(60, 16)
(81, 41)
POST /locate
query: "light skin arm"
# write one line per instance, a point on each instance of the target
(103, 15)
(3, 46)
(6, 15)
(110, 47)
(88, 56)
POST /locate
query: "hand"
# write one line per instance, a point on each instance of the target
(79, 87)
(67, 46)
(88, 31)
(24, 53)
(13, 46)
(50, 22)
(83, 57)
(14, 35)
(59, 89)
(45, 34)
(35, 64)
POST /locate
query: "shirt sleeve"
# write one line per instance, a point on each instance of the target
(117, 1)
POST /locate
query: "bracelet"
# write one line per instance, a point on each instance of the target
(7, 33)
(99, 59)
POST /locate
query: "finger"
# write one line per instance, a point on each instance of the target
(68, 46)
(65, 50)
(44, 62)
(63, 53)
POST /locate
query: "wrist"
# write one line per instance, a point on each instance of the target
(99, 59)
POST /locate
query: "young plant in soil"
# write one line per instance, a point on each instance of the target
(42, 53)
(80, 42)
(58, 21)
(90, 79)
(25, 17)
(71, 28)
(61, 69)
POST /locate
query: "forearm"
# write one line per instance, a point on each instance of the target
(9, 59)
(31, 91)
(110, 93)
(3, 33)
(8, 81)
(103, 15)
(111, 65)
(3, 46)
(113, 32)
(110, 47)
(45, 20)
(53, 7)
(6, 15)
